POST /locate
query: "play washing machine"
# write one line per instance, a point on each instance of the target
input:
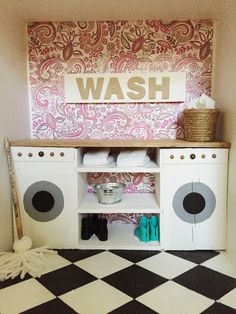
(46, 184)
(193, 198)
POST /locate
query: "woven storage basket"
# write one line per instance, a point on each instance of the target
(200, 124)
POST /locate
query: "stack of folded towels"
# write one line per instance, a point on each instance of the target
(98, 157)
(134, 157)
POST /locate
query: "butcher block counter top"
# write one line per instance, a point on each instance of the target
(165, 143)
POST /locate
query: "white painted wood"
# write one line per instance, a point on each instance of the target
(120, 236)
(67, 171)
(211, 171)
(211, 233)
(150, 167)
(61, 232)
(131, 203)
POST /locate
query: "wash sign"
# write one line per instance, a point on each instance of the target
(125, 88)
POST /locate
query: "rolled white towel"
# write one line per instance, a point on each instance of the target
(98, 157)
(203, 102)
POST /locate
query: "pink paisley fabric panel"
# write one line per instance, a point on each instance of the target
(122, 46)
(119, 47)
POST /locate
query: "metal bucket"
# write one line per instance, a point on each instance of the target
(109, 193)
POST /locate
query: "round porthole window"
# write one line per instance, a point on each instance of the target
(43, 201)
(194, 202)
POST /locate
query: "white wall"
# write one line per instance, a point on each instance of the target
(107, 10)
(14, 107)
(225, 94)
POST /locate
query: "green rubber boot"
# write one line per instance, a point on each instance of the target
(154, 229)
(143, 230)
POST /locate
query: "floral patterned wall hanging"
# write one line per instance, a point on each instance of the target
(121, 47)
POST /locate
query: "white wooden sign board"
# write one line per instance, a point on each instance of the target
(125, 88)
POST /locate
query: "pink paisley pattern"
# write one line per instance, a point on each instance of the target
(56, 48)
(122, 46)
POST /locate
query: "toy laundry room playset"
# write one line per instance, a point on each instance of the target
(124, 152)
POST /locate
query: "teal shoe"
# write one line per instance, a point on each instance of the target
(142, 232)
(154, 229)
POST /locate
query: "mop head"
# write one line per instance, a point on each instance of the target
(23, 260)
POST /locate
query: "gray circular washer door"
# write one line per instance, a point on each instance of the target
(43, 201)
(194, 202)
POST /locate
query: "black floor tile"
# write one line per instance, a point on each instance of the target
(134, 280)
(218, 308)
(55, 306)
(76, 255)
(10, 282)
(65, 279)
(206, 281)
(197, 257)
(134, 255)
(133, 307)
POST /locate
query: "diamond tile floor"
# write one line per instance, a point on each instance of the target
(134, 282)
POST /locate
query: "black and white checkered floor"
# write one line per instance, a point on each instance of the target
(134, 282)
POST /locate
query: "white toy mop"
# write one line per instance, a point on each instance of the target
(23, 259)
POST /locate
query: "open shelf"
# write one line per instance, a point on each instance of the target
(121, 237)
(131, 203)
(151, 167)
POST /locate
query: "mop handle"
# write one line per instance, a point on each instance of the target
(16, 205)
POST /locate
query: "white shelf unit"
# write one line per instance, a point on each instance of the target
(120, 236)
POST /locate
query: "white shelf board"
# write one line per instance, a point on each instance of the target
(120, 236)
(149, 167)
(131, 203)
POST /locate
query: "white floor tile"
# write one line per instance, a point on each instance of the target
(95, 298)
(55, 262)
(103, 264)
(229, 299)
(23, 296)
(171, 298)
(166, 265)
(222, 264)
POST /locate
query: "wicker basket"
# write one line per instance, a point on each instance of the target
(200, 124)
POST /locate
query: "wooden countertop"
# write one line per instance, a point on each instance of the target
(167, 143)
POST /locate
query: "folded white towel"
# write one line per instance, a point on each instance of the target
(133, 162)
(98, 157)
(135, 157)
(132, 153)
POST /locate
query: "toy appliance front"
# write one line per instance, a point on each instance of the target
(193, 198)
(46, 183)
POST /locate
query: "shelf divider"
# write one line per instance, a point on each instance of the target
(151, 167)
(131, 203)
